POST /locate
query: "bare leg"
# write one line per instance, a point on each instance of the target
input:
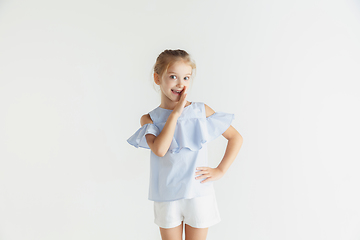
(172, 233)
(195, 233)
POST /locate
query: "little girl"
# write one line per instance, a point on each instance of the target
(177, 132)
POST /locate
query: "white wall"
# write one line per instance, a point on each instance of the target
(75, 79)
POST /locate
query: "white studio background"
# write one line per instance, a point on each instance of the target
(75, 80)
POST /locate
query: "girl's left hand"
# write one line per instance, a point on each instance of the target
(210, 174)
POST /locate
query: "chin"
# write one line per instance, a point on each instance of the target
(175, 100)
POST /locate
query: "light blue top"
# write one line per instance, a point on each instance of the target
(172, 177)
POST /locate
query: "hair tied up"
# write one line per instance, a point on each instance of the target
(168, 57)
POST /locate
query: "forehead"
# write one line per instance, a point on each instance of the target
(180, 67)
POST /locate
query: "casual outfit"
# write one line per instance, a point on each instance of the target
(177, 195)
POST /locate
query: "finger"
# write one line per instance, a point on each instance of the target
(183, 96)
(184, 91)
(202, 168)
(202, 172)
(203, 176)
(182, 101)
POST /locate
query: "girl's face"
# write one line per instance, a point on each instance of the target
(173, 81)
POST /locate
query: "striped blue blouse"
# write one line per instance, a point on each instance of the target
(172, 177)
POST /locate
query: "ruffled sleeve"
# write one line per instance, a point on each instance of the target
(217, 124)
(138, 138)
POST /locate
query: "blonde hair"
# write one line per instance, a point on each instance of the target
(168, 57)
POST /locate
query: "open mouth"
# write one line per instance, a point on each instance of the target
(176, 92)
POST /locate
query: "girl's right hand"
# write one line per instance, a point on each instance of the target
(181, 104)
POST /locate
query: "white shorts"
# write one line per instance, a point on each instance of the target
(199, 212)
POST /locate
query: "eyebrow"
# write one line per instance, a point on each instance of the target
(176, 73)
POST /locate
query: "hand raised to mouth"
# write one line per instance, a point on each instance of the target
(181, 104)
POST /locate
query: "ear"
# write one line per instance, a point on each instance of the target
(156, 78)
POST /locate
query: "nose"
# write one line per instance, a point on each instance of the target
(180, 83)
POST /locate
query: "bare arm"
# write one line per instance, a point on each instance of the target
(161, 143)
(235, 141)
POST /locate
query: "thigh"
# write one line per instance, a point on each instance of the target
(201, 212)
(168, 214)
(172, 233)
(195, 233)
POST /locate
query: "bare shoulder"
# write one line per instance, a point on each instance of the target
(145, 119)
(208, 110)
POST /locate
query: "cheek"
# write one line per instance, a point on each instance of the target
(169, 84)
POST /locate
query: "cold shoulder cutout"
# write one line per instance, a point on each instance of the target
(145, 119)
(208, 110)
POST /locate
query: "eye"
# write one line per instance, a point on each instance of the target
(172, 76)
(186, 78)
